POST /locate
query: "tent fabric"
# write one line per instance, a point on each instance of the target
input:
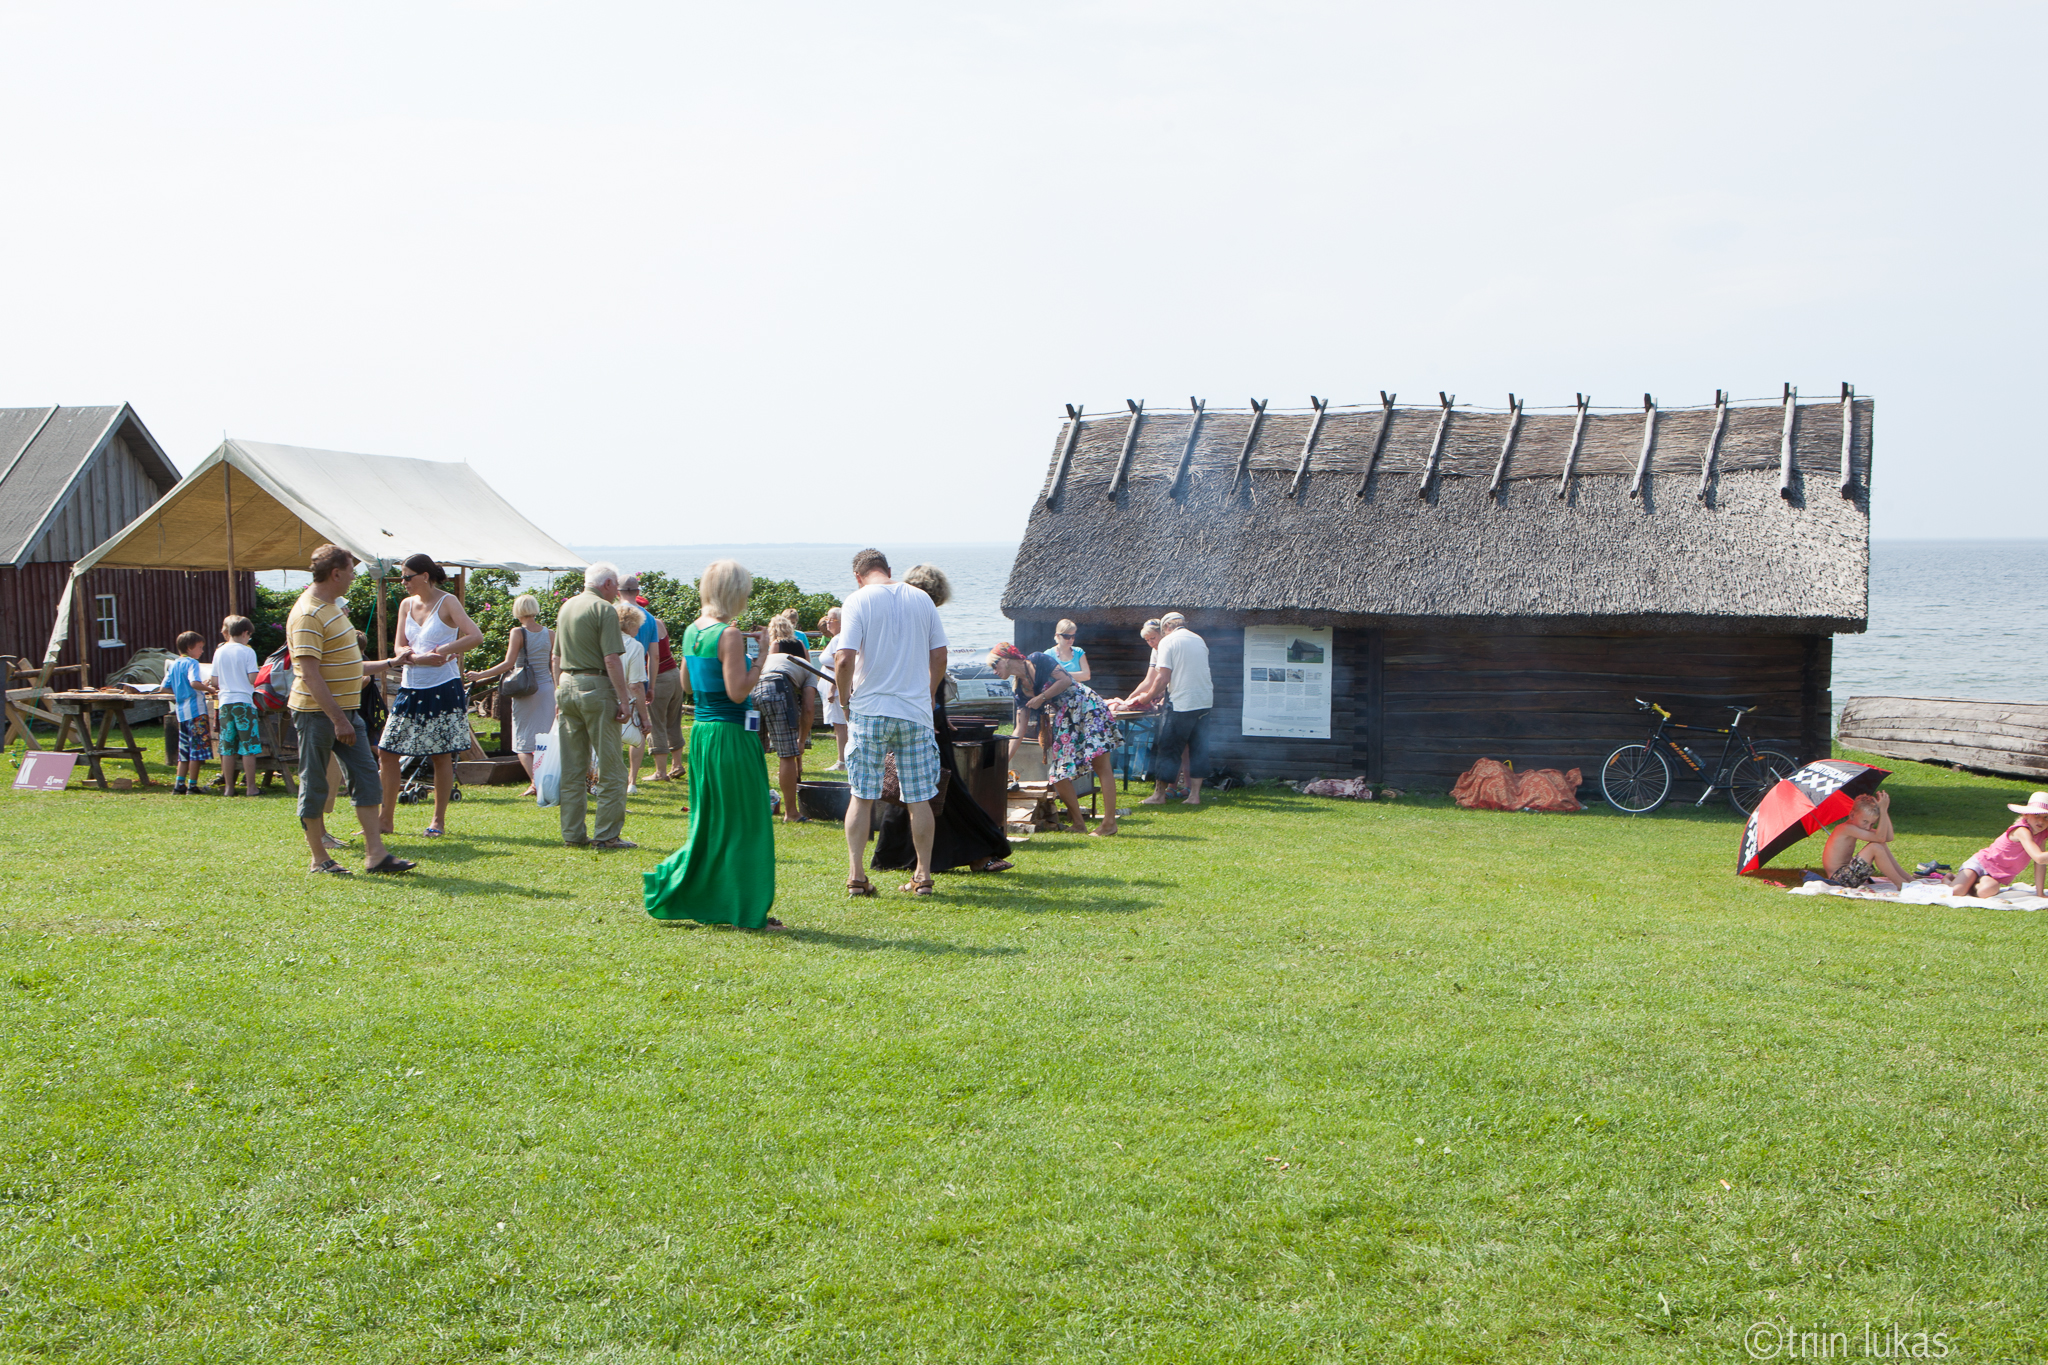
(288, 500)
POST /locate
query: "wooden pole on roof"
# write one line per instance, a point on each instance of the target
(1436, 445)
(1848, 439)
(227, 492)
(1571, 454)
(1322, 406)
(1187, 450)
(1244, 452)
(1713, 442)
(1785, 443)
(1649, 444)
(1123, 460)
(1500, 470)
(1059, 474)
(1379, 442)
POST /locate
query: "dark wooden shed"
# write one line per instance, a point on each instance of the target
(69, 479)
(1499, 583)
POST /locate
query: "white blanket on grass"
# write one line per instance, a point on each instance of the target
(1922, 891)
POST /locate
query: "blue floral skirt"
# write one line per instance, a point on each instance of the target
(428, 720)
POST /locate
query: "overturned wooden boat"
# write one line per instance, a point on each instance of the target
(2005, 737)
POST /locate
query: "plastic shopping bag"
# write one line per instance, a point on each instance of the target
(547, 769)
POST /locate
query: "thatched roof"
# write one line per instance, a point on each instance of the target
(1410, 514)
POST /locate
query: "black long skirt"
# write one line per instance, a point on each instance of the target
(964, 834)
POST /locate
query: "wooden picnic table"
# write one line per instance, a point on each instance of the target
(95, 713)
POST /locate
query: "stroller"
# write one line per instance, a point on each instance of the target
(416, 772)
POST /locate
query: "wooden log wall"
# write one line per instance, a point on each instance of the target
(1566, 701)
(1415, 708)
(154, 605)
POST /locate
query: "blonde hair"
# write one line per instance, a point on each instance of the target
(931, 581)
(526, 604)
(725, 588)
(782, 626)
(1066, 628)
(630, 616)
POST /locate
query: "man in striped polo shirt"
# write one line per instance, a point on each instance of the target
(327, 687)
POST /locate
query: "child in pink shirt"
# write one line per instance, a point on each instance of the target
(1989, 870)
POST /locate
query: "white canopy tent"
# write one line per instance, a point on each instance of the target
(255, 506)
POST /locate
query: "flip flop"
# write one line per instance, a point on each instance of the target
(997, 865)
(392, 865)
(433, 832)
(332, 869)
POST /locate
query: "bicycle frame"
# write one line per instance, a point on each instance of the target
(1734, 747)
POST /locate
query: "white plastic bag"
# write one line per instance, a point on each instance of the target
(547, 769)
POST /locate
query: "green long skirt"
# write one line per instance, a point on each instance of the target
(726, 873)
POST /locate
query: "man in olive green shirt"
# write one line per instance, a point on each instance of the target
(590, 705)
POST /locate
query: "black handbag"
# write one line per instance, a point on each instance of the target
(521, 681)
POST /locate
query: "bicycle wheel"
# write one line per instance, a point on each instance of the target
(1750, 778)
(1635, 779)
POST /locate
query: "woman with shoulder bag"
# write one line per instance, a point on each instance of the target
(531, 685)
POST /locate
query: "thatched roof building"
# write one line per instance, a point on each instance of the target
(1733, 538)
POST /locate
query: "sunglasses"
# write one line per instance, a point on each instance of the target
(1063, 635)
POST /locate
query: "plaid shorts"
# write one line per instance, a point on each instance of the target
(239, 733)
(192, 744)
(870, 739)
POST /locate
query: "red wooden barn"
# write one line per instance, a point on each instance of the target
(69, 479)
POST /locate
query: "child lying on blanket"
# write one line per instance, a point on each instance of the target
(1869, 822)
(1989, 869)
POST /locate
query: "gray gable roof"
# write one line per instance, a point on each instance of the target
(1415, 514)
(43, 454)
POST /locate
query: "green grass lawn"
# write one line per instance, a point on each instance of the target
(1281, 1079)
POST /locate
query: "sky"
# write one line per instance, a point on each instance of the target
(677, 273)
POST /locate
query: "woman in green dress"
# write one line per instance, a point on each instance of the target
(725, 874)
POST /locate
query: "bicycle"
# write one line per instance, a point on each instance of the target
(1637, 778)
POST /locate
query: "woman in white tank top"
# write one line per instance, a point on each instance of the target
(430, 714)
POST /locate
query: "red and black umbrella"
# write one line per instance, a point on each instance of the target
(1818, 794)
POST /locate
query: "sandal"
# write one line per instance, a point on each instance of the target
(997, 865)
(919, 886)
(433, 832)
(772, 925)
(856, 887)
(392, 865)
(332, 869)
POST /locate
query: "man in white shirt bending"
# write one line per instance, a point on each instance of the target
(1190, 691)
(890, 660)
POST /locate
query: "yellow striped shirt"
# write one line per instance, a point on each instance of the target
(324, 630)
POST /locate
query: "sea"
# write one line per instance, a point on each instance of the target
(1948, 618)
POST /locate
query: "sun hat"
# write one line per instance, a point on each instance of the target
(2037, 804)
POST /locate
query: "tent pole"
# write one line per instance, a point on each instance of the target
(383, 651)
(78, 635)
(227, 492)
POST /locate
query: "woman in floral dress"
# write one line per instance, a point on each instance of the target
(1075, 730)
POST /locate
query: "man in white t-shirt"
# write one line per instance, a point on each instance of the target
(887, 664)
(234, 671)
(1190, 692)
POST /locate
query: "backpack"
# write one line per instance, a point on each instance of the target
(273, 681)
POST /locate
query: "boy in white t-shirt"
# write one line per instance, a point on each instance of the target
(234, 672)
